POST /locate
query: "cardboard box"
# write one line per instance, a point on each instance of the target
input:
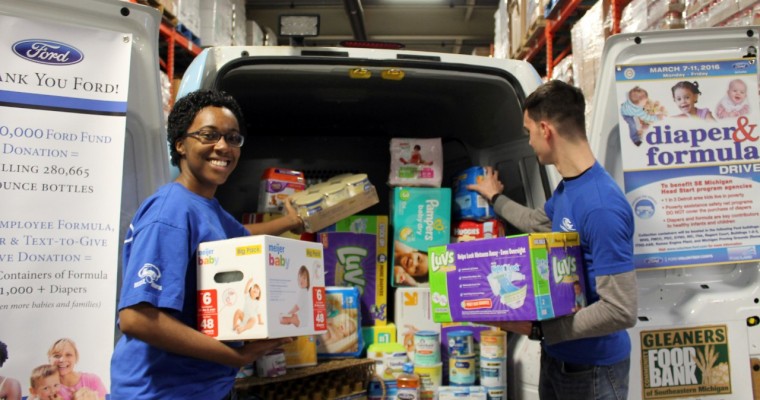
(352, 259)
(421, 218)
(346, 208)
(262, 286)
(517, 278)
(465, 231)
(413, 314)
(277, 184)
(375, 300)
(301, 352)
(379, 334)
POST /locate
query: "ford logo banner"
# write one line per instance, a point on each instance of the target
(47, 52)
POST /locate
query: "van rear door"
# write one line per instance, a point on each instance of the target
(693, 182)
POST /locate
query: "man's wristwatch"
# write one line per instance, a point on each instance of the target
(536, 331)
(494, 197)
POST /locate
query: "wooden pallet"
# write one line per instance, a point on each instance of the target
(166, 15)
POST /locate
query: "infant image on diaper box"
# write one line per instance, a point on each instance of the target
(421, 218)
(262, 286)
(527, 277)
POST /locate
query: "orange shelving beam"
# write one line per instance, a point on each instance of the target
(552, 27)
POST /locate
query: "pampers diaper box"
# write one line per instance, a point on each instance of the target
(421, 218)
(527, 277)
(262, 286)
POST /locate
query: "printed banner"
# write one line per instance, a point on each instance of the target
(691, 162)
(63, 103)
(685, 363)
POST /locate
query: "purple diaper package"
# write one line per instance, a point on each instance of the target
(351, 260)
(529, 277)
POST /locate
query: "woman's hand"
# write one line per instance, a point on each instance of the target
(255, 349)
(296, 222)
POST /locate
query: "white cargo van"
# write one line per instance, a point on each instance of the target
(327, 111)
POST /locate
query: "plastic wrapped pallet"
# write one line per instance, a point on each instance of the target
(534, 12)
(239, 23)
(254, 34)
(189, 14)
(216, 23)
(501, 31)
(747, 16)
(516, 12)
(563, 71)
(588, 36)
(634, 17)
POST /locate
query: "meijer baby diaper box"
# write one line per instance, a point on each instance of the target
(517, 278)
(262, 286)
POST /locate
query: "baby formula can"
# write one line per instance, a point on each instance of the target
(357, 184)
(271, 364)
(334, 194)
(427, 348)
(462, 370)
(493, 371)
(493, 344)
(338, 178)
(461, 343)
(496, 393)
(431, 377)
(309, 204)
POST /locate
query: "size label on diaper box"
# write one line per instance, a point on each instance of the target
(517, 278)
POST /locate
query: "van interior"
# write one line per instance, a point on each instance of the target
(325, 118)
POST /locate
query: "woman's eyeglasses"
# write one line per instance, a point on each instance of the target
(207, 136)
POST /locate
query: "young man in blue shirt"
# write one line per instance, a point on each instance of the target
(585, 355)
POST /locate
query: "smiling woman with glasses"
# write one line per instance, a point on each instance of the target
(161, 354)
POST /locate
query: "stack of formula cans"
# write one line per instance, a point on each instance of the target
(462, 358)
(493, 364)
(427, 363)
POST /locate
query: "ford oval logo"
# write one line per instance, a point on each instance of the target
(47, 52)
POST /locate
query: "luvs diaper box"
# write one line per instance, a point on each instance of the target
(262, 286)
(356, 254)
(421, 219)
(527, 277)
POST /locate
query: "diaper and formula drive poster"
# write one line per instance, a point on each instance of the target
(689, 139)
(63, 106)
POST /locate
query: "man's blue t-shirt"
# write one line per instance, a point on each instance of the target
(159, 263)
(594, 206)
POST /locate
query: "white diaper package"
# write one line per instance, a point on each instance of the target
(416, 162)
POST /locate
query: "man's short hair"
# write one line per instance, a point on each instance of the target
(561, 104)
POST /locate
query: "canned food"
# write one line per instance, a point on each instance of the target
(309, 204)
(334, 194)
(461, 343)
(357, 184)
(493, 344)
(427, 348)
(462, 370)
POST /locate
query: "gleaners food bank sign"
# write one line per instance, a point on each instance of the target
(687, 362)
